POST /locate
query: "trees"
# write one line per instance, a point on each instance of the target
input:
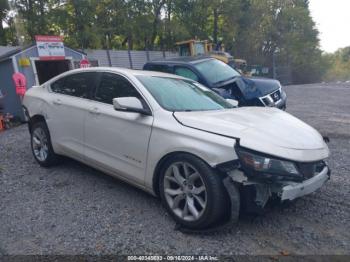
(339, 65)
(297, 38)
(33, 15)
(4, 9)
(81, 28)
(256, 30)
(282, 28)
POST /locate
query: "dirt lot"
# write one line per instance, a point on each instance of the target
(73, 209)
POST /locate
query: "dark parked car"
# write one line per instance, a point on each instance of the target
(224, 80)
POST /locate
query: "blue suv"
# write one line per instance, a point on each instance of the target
(224, 80)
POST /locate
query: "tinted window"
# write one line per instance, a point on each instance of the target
(185, 72)
(159, 68)
(79, 85)
(112, 86)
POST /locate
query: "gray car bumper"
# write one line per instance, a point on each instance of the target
(295, 190)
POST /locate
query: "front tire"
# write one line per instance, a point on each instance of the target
(192, 192)
(41, 145)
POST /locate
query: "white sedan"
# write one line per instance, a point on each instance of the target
(176, 139)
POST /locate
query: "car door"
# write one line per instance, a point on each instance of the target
(69, 100)
(117, 141)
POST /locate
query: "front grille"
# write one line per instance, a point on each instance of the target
(276, 96)
(309, 170)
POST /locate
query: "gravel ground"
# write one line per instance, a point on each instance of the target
(73, 209)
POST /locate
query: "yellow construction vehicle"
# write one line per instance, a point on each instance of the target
(195, 47)
(242, 66)
(224, 57)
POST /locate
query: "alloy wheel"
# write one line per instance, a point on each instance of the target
(185, 191)
(40, 144)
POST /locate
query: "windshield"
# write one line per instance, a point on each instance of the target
(216, 71)
(182, 95)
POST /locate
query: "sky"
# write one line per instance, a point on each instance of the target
(332, 19)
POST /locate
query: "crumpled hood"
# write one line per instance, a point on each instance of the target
(253, 87)
(264, 85)
(267, 130)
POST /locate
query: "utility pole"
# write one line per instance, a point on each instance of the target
(107, 50)
(274, 69)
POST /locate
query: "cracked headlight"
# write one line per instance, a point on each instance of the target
(265, 164)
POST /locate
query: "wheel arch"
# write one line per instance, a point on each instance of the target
(162, 161)
(35, 119)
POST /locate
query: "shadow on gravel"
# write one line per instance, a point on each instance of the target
(110, 182)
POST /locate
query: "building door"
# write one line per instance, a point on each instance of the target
(49, 69)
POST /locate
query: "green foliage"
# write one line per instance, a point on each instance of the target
(256, 30)
(4, 9)
(339, 62)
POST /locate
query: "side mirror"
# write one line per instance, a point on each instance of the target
(232, 102)
(130, 104)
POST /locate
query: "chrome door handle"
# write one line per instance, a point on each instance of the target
(57, 102)
(94, 111)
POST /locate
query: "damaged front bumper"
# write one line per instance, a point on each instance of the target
(294, 190)
(285, 190)
(238, 185)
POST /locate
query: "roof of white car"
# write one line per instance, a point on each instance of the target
(125, 71)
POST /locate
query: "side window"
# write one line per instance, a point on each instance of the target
(112, 86)
(185, 72)
(159, 68)
(57, 86)
(78, 85)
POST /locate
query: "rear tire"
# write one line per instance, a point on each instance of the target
(192, 192)
(41, 145)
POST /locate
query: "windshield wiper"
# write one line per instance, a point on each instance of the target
(184, 110)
